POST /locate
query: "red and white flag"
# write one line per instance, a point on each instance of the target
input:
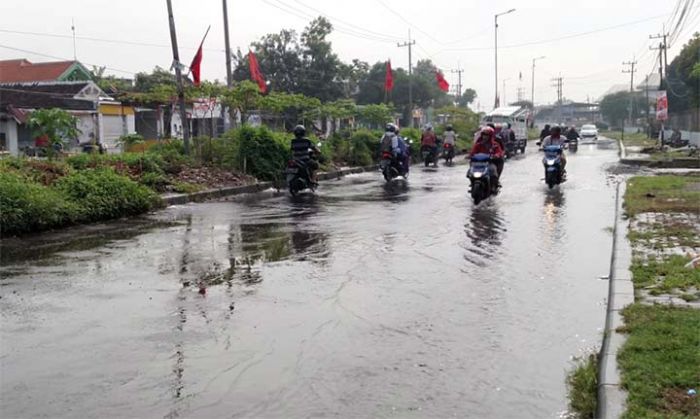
(255, 73)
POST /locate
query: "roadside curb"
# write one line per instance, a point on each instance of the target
(623, 150)
(683, 163)
(611, 397)
(184, 198)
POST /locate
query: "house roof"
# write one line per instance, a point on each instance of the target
(38, 95)
(22, 70)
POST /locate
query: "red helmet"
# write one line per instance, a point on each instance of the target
(487, 129)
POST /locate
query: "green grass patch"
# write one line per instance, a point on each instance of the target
(665, 235)
(631, 140)
(185, 187)
(665, 275)
(660, 361)
(663, 193)
(582, 383)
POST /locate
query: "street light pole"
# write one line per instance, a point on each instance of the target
(495, 32)
(532, 91)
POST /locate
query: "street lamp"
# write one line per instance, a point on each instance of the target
(495, 20)
(532, 94)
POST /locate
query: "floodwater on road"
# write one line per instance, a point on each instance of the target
(361, 301)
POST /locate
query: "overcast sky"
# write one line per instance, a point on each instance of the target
(450, 32)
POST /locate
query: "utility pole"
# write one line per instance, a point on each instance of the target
(178, 76)
(631, 72)
(459, 72)
(503, 92)
(520, 94)
(559, 86)
(495, 33)
(229, 76)
(229, 79)
(663, 59)
(409, 44)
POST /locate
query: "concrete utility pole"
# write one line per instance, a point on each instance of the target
(662, 48)
(560, 96)
(532, 92)
(495, 32)
(631, 71)
(229, 76)
(459, 72)
(178, 76)
(409, 44)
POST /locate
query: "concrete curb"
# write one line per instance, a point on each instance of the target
(623, 149)
(184, 198)
(611, 397)
(678, 163)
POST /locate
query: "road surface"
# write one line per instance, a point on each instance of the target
(361, 301)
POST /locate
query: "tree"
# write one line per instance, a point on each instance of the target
(321, 67)
(615, 107)
(159, 76)
(57, 125)
(683, 80)
(279, 56)
(376, 115)
(466, 98)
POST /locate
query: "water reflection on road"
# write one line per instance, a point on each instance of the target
(366, 299)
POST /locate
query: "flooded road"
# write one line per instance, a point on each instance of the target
(361, 301)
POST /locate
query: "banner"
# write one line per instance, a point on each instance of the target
(662, 106)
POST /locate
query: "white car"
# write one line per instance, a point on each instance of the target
(589, 131)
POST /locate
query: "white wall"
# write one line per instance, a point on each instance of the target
(9, 127)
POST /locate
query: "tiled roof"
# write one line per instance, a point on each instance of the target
(15, 71)
(37, 96)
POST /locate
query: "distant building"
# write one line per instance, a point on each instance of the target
(23, 71)
(101, 119)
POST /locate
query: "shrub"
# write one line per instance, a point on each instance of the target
(156, 181)
(27, 206)
(104, 194)
(260, 151)
(172, 154)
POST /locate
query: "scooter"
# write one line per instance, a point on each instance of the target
(573, 145)
(429, 155)
(389, 166)
(448, 153)
(298, 177)
(553, 174)
(484, 182)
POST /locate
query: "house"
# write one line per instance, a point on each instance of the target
(101, 119)
(23, 71)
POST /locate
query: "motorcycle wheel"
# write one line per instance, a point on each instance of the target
(551, 179)
(477, 192)
(426, 162)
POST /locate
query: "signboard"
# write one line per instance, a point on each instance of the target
(662, 106)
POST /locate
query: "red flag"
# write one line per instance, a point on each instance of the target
(195, 66)
(255, 73)
(388, 78)
(442, 83)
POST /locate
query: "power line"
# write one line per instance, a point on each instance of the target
(407, 22)
(63, 59)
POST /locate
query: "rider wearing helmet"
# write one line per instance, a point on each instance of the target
(304, 151)
(428, 139)
(389, 142)
(450, 136)
(487, 144)
(555, 138)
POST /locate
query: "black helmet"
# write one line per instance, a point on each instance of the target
(299, 131)
(390, 127)
(508, 124)
(556, 129)
(448, 127)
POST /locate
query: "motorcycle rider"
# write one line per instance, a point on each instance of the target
(487, 144)
(572, 134)
(305, 152)
(545, 132)
(404, 154)
(428, 139)
(555, 138)
(450, 136)
(391, 143)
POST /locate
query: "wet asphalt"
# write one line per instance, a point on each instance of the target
(364, 300)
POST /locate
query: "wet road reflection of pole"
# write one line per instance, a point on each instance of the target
(553, 217)
(484, 230)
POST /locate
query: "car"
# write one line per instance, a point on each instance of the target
(589, 131)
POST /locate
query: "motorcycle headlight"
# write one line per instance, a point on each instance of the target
(551, 162)
(478, 174)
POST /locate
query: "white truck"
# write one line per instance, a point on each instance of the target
(516, 116)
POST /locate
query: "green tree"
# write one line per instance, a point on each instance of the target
(146, 82)
(57, 125)
(320, 76)
(682, 82)
(376, 115)
(466, 98)
(279, 56)
(615, 107)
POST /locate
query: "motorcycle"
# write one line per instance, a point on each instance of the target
(389, 166)
(573, 145)
(298, 177)
(448, 153)
(483, 181)
(429, 156)
(553, 174)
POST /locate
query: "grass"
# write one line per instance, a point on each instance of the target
(660, 235)
(582, 383)
(660, 361)
(665, 275)
(634, 139)
(663, 193)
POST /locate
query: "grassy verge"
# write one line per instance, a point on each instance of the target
(631, 140)
(665, 193)
(582, 383)
(660, 361)
(666, 275)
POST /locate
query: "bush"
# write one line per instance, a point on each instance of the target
(103, 194)
(172, 154)
(364, 147)
(156, 181)
(260, 151)
(27, 206)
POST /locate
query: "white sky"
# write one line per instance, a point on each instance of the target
(447, 31)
